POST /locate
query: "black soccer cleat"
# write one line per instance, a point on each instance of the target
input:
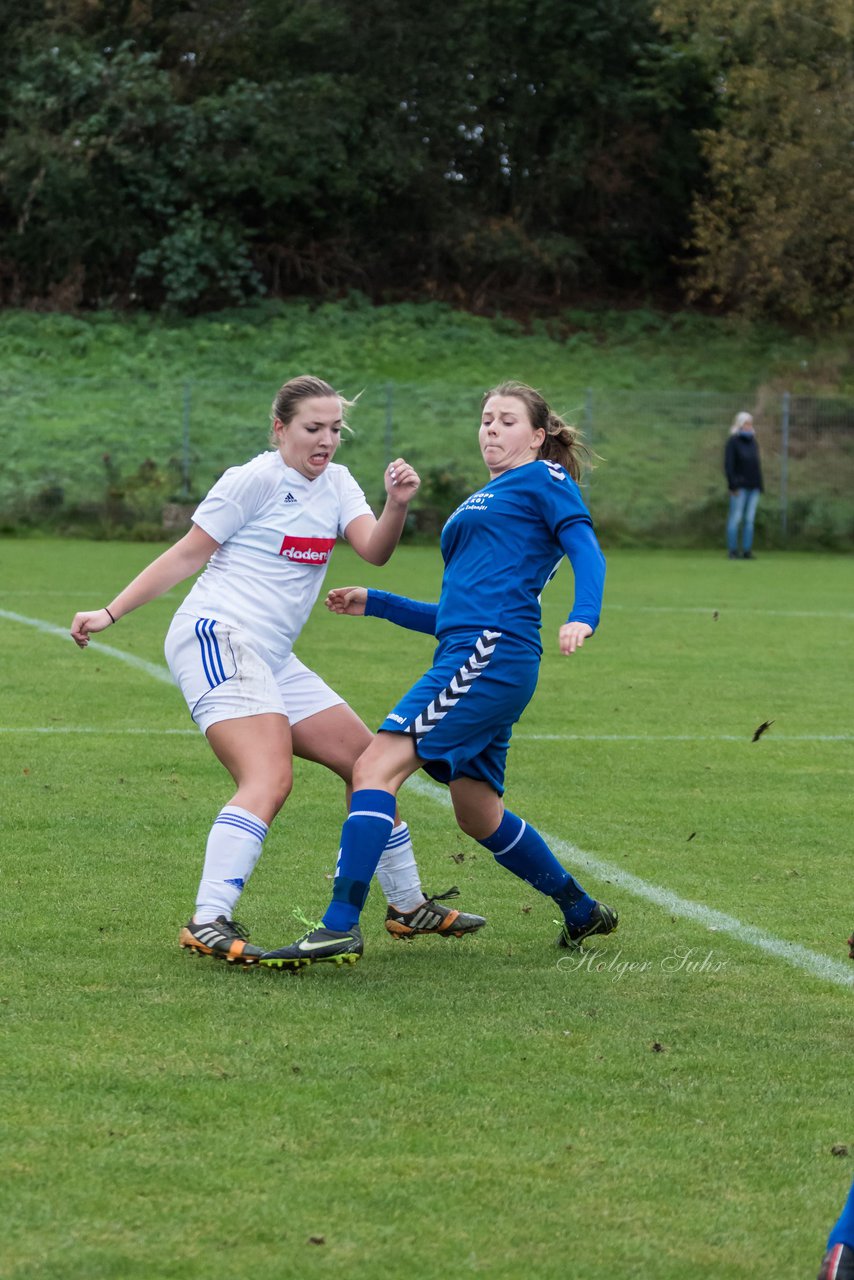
(223, 939)
(431, 917)
(319, 944)
(838, 1263)
(602, 920)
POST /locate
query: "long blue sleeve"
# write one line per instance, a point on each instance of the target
(415, 615)
(588, 566)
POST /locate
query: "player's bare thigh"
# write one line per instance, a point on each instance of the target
(387, 763)
(334, 737)
(257, 751)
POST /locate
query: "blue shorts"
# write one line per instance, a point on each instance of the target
(461, 713)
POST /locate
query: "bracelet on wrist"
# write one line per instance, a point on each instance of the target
(109, 615)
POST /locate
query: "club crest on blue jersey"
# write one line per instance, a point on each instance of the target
(475, 502)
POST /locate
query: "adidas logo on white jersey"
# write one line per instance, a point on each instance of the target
(290, 498)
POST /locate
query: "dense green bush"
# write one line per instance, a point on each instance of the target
(485, 154)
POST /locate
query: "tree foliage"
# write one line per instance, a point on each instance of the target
(111, 180)
(773, 231)
(198, 152)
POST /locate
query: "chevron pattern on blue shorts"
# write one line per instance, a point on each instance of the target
(460, 683)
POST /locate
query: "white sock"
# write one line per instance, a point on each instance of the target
(398, 873)
(233, 848)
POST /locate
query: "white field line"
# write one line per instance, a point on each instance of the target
(106, 731)
(812, 962)
(792, 953)
(843, 615)
(162, 673)
(68, 594)
(150, 668)
(519, 737)
(678, 737)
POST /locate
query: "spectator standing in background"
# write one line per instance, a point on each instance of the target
(744, 480)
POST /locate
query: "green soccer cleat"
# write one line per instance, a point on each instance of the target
(602, 920)
(223, 939)
(319, 944)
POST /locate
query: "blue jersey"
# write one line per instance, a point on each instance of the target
(502, 545)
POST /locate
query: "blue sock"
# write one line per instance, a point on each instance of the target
(364, 836)
(522, 850)
(843, 1232)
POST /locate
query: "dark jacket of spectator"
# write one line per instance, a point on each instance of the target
(741, 462)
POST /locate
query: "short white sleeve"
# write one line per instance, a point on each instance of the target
(353, 501)
(231, 502)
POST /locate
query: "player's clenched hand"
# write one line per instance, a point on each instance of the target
(85, 624)
(401, 481)
(350, 600)
(572, 636)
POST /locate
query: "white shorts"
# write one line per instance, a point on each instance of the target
(222, 676)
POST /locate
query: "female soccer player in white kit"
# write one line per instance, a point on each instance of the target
(266, 531)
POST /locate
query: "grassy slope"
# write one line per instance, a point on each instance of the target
(427, 344)
(469, 1105)
(80, 387)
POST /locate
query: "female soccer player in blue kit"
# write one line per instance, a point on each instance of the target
(500, 548)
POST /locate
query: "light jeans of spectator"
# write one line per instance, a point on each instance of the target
(742, 511)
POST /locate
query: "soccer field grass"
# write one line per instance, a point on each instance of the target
(665, 1106)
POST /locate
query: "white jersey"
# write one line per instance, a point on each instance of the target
(276, 530)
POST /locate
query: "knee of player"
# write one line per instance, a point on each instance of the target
(386, 764)
(477, 809)
(367, 773)
(477, 825)
(278, 787)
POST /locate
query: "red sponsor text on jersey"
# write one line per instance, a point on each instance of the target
(307, 550)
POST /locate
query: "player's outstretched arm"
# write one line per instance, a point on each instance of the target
(349, 600)
(375, 540)
(412, 615)
(186, 557)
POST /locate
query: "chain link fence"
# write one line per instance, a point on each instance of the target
(130, 458)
